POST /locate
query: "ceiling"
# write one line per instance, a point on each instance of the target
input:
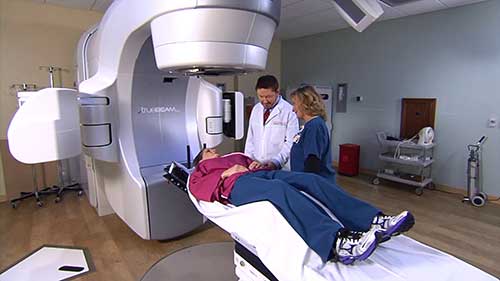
(303, 17)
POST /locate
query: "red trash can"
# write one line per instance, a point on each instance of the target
(349, 159)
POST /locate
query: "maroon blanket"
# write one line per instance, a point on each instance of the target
(206, 184)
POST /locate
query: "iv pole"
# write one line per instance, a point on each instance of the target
(63, 166)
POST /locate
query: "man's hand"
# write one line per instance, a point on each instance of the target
(233, 170)
(270, 165)
(255, 165)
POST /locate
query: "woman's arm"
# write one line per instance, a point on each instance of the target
(312, 164)
(315, 142)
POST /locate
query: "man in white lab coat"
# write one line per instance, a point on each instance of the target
(272, 126)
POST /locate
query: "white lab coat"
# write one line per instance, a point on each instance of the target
(272, 141)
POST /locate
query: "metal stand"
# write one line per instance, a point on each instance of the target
(63, 173)
(475, 194)
(26, 87)
(36, 193)
(51, 70)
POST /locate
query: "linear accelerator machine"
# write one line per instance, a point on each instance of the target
(141, 104)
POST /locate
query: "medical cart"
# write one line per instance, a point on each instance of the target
(406, 162)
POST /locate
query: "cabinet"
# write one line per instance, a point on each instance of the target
(349, 159)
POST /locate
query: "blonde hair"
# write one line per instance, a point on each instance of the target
(310, 102)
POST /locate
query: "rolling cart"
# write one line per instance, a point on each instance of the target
(406, 162)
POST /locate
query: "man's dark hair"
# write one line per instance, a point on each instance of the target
(198, 157)
(267, 82)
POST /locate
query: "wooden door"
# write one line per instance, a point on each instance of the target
(415, 115)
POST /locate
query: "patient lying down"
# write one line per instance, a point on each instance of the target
(236, 179)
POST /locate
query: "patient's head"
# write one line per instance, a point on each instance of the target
(205, 154)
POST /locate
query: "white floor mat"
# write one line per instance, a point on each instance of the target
(50, 263)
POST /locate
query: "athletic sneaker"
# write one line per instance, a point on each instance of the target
(392, 225)
(351, 246)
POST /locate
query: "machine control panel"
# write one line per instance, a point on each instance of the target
(214, 125)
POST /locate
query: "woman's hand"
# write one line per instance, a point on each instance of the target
(255, 165)
(233, 170)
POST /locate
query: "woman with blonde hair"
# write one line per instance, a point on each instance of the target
(311, 146)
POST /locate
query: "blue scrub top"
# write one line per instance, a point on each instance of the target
(313, 139)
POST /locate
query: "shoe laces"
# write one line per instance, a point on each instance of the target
(351, 237)
(346, 242)
(381, 220)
